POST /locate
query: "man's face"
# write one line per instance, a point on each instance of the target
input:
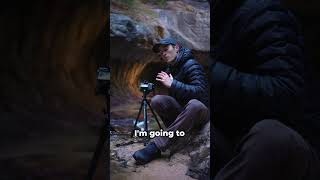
(168, 52)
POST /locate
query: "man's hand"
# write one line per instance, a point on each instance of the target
(165, 79)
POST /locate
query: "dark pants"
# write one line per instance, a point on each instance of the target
(176, 117)
(270, 151)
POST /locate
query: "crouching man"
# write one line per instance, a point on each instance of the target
(186, 106)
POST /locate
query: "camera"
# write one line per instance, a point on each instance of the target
(103, 81)
(146, 87)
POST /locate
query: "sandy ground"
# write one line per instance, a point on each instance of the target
(123, 165)
(122, 146)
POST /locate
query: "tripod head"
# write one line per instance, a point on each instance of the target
(146, 88)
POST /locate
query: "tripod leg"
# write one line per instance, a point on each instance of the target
(145, 102)
(104, 135)
(155, 116)
(108, 113)
(135, 124)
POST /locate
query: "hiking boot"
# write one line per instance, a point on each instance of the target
(147, 154)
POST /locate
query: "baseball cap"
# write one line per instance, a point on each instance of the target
(164, 41)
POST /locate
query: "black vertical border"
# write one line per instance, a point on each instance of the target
(211, 95)
(107, 38)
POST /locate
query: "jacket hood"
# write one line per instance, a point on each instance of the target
(183, 55)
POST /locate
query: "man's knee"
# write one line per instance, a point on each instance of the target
(196, 106)
(156, 101)
(272, 136)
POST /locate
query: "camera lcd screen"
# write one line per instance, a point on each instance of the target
(143, 85)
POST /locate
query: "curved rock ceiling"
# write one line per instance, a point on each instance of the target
(50, 51)
(134, 29)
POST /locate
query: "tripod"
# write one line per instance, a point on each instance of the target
(104, 137)
(144, 105)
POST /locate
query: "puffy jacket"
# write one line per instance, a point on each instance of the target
(189, 79)
(258, 65)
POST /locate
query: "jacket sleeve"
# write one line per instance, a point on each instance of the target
(195, 83)
(275, 83)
